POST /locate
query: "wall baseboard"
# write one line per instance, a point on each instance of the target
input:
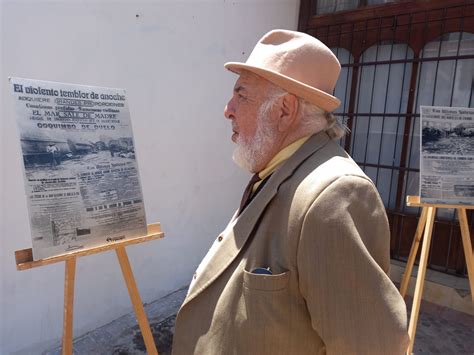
(440, 288)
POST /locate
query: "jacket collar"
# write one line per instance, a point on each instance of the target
(239, 229)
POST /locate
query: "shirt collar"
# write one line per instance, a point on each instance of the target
(279, 158)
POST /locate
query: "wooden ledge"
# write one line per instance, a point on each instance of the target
(24, 258)
(414, 201)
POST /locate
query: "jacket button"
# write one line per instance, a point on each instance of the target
(194, 276)
(220, 238)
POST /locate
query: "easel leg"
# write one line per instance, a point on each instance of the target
(68, 305)
(136, 301)
(413, 251)
(420, 277)
(468, 253)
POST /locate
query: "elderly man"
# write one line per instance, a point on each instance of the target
(302, 266)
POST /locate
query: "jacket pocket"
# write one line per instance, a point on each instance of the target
(266, 282)
(267, 313)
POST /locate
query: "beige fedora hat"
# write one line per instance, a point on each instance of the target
(296, 62)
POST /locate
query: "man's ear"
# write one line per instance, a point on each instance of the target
(288, 112)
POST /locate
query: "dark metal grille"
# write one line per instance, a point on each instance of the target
(395, 58)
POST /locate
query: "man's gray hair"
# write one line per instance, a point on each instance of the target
(313, 118)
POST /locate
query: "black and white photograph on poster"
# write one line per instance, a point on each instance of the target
(81, 175)
(447, 155)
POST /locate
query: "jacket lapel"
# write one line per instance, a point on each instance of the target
(239, 229)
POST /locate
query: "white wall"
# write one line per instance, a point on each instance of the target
(169, 59)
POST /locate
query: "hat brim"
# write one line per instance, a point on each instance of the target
(315, 96)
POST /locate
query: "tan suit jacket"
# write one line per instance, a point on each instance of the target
(321, 227)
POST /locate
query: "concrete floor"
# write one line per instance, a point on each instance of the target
(440, 330)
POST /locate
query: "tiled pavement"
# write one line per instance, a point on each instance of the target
(123, 336)
(440, 331)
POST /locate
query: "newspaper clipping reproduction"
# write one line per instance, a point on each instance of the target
(447, 155)
(81, 176)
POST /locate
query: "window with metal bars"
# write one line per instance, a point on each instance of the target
(394, 58)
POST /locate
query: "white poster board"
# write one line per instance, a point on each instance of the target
(447, 155)
(81, 176)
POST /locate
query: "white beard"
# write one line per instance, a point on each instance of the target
(250, 153)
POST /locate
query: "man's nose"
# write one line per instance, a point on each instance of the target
(229, 110)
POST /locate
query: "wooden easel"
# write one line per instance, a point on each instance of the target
(425, 224)
(24, 261)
